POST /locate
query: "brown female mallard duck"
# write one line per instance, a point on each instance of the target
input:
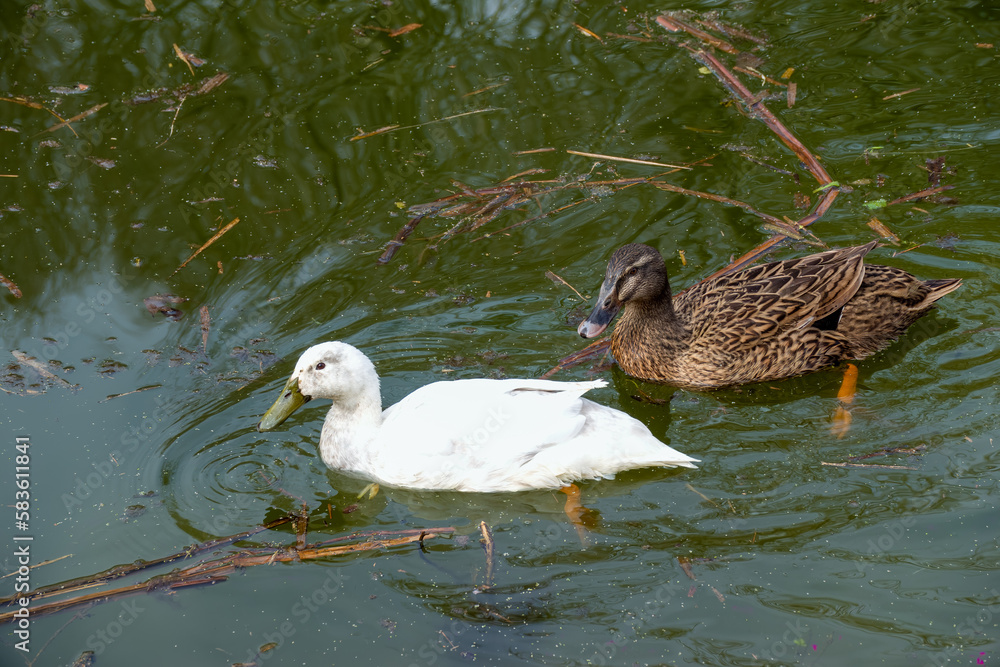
(764, 323)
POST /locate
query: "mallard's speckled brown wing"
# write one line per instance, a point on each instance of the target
(763, 317)
(887, 303)
(766, 299)
(776, 320)
(751, 326)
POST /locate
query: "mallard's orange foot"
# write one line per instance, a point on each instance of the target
(842, 416)
(581, 517)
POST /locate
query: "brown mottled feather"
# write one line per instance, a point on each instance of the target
(765, 323)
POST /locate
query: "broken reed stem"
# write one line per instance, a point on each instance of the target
(396, 243)
(674, 24)
(219, 569)
(757, 110)
(207, 243)
(393, 128)
(920, 195)
(754, 106)
(719, 198)
(36, 105)
(120, 571)
(739, 264)
(79, 116)
(600, 346)
(867, 465)
(601, 156)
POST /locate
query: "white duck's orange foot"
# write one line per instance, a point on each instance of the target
(582, 518)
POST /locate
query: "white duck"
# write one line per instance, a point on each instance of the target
(465, 435)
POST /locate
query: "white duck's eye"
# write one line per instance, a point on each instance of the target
(320, 366)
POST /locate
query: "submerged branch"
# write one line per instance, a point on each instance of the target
(209, 571)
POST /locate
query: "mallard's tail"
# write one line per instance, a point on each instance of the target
(937, 289)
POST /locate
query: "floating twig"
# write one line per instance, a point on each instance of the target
(630, 38)
(80, 116)
(557, 279)
(600, 346)
(920, 195)
(120, 571)
(483, 90)
(32, 567)
(675, 24)
(699, 493)
(183, 56)
(10, 285)
(600, 156)
(905, 92)
(544, 214)
(393, 128)
(409, 27)
(207, 243)
(759, 75)
(718, 198)
(42, 370)
(526, 172)
(890, 451)
(756, 109)
(36, 105)
(205, 325)
(395, 32)
(867, 465)
(210, 571)
(177, 112)
(588, 33)
(731, 30)
(397, 241)
(879, 228)
(129, 393)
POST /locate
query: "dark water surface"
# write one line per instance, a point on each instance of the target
(793, 562)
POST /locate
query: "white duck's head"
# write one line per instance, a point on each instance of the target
(333, 370)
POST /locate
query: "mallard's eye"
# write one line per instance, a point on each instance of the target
(320, 366)
(631, 272)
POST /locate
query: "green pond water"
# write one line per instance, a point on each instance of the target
(763, 555)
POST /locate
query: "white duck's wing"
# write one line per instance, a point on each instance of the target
(505, 435)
